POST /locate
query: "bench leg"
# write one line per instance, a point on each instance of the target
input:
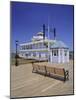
(67, 75)
(64, 78)
(64, 75)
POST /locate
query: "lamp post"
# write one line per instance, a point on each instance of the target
(16, 56)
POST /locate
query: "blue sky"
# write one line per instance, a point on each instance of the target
(27, 19)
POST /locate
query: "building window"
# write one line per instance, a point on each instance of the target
(54, 52)
(65, 52)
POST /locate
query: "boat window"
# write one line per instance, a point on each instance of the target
(34, 54)
(39, 55)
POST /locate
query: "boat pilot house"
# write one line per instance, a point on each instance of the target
(53, 51)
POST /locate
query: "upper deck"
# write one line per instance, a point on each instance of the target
(42, 44)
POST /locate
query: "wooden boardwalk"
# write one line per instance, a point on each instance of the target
(24, 83)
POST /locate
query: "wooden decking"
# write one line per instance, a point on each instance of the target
(24, 83)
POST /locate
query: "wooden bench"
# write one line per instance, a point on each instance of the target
(39, 69)
(58, 73)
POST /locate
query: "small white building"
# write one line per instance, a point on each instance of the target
(54, 51)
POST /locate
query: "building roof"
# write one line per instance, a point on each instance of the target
(59, 44)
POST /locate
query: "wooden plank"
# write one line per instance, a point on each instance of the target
(59, 71)
(50, 69)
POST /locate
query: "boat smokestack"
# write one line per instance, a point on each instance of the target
(44, 31)
(54, 33)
